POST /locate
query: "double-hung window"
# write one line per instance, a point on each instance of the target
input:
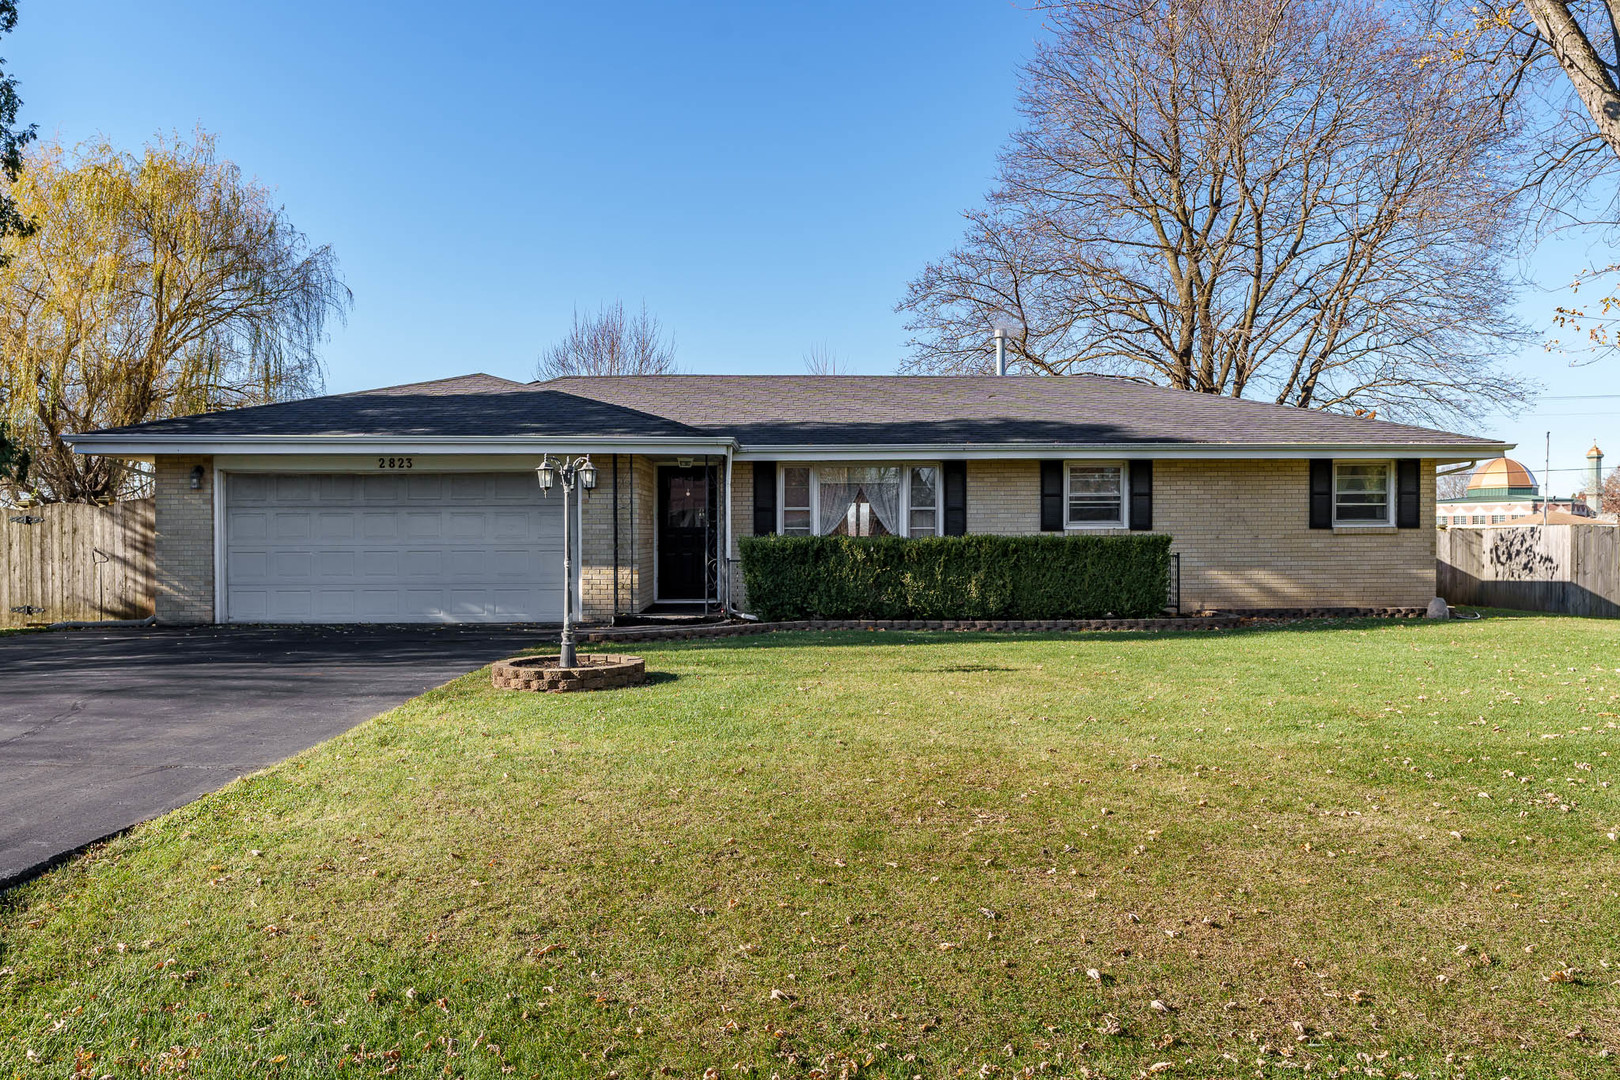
(860, 500)
(922, 498)
(797, 510)
(1094, 495)
(1363, 493)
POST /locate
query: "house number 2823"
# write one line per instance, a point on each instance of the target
(393, 463)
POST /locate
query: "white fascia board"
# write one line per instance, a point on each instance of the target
(150, 446)
(1160, 451)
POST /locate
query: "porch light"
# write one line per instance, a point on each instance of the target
(196, 477)
(547, 474)
(587, 475)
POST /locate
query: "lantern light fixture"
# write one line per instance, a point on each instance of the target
(547, 474)
(587, 475)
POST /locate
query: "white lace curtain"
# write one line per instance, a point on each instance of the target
(840, 488)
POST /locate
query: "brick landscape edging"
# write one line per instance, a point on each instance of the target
(542, 675)
(1188, 622)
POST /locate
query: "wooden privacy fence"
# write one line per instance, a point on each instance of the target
(68, 561)
(1572, 569)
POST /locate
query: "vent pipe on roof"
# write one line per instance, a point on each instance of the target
(1001, 350)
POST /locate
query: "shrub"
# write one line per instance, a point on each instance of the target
(956, 577)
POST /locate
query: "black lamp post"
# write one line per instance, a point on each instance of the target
(579, 471)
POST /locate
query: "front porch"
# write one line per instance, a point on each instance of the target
(658, 540)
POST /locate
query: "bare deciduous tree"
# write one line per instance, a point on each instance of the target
(1608, 493)
(1553, 65)
(822, 360)
(611, 342)
(1452, 485)
(1256, 198)
(154, 285)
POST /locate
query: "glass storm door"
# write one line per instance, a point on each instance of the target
(686, 532)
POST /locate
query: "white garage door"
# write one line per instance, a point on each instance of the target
(398, 547)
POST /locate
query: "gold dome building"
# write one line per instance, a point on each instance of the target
(1500, 490)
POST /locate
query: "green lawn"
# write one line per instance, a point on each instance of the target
(1380, 849)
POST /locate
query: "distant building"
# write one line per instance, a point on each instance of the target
(1501, 490)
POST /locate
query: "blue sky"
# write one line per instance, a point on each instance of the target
(766, 177)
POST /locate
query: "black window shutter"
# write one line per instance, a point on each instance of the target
(955, 477)
(764, 498)
(1321, 493)
(1141, 496)
(1051, 496)
(1408, 497)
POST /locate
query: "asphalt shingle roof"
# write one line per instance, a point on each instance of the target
(762, 411)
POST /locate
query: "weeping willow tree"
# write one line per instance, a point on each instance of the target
(151, 285)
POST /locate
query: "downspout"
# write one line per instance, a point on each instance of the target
(725, 563)
(727, 606)
(615, 536)
(709, 534)
(635, 554)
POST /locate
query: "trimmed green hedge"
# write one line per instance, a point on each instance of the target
(956, 577)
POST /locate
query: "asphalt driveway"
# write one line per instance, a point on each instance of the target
(101, 729)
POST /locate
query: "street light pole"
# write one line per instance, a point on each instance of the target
(578, 471)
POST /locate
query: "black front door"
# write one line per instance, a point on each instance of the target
(686, 532)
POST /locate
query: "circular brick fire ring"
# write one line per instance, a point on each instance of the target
(595, 672)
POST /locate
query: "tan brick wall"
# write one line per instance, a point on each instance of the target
(1004, 497)
(1243, 531)
(636, 504)
(184, 546)
(742, 524)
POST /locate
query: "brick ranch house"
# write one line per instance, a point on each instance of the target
(419, 503)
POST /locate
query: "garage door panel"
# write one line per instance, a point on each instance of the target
(378, 564)
(333, 525)
(336, 489)
(427, 547)
(379, 526)
(291, 605)
(289, 525)
(420, 525)
(249, 489)
(421, 565)
(335, 566)
(334, 605)
(250, 567)
(297, 566)
(462, 526)
(250, 605)
(425, 487)
(513, 565)
(380, 489)
(469, 487)
(294, 489)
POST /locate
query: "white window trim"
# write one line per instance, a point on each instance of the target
(1392, 498)
(1124, 521)
(905, 468)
